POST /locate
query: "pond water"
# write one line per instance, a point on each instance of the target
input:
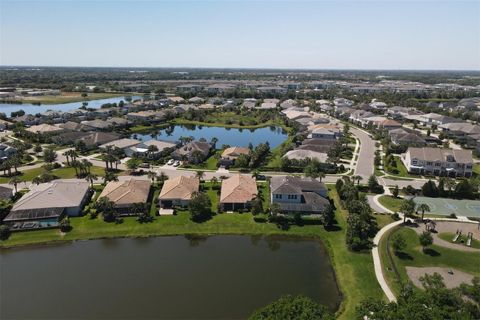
(29, 108)
(219, 277)
(231, 136)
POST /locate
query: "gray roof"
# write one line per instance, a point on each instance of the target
(437, 154)
(55, 194)
(295, 185)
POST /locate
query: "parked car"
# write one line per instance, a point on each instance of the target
(170, 162)
(176, 164)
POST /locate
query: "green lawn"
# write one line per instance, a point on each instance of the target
(62, 173)
(390, 202)
(354, 271)
(399, 170)
(476, 169)
(209, 164)
(436, 256)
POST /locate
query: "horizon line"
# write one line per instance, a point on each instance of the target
(243, 68)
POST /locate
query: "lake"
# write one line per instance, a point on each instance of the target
(178, 277)
(231, 136)
(29, 108)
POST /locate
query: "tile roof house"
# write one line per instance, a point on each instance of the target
(44, 129)
(298, 195)
(178, 191)
(142, 148)
(90, 139)
(438, 162)
(436, 119)
(302, 154)
(6, 151)
(195, 151)
(237, 192)
(229, 155)
(404, 136)
(97, 124)
(126, 194)
(47, 203)
(123, 144)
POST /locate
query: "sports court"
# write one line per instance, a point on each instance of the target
(442, 206)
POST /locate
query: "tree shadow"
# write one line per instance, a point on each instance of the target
(332, 228)
(431, 252)
(403, 255)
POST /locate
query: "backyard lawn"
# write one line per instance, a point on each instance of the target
(398, 170)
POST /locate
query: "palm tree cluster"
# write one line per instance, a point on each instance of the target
(11, 163)
(111, 157)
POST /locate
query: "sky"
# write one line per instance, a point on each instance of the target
(430, 35)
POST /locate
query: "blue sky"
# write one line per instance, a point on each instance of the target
(252, 34)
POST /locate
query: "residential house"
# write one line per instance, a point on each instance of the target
(302, 154)
(229, 155)
(272, 90)
(4, 124)
(324, 134)
(195, 151)
(44, 129)
(6, 151)
(436, 119)
(27, 119)
(298, 195)
(97, 124)
(127, 195)
(124, 144)
(407, 137)
(45, 205)
(142, 149)
(237, 192)
(438, 162)
(178, 191)
(90, 139)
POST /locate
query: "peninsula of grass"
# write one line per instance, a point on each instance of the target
(414, 256)
(390, 202)
(67, 97)
(354, 271)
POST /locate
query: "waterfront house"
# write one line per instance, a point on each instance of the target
(237, 192)
(123, 144)
(229, 155)
(127, 195)
(438, 162)
(178, 191)
(195, 151)
(298, 195)
(45, 205)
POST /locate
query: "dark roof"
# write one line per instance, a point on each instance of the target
(311, 203)
(34, 214)
(5, 193)
(295, 185)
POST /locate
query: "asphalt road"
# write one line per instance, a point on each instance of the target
(367, 154)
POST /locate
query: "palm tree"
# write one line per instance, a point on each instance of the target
(214, 141)
(321, 175)
(66, 154)
(110, 176)
(423, 207)
(152, 175)
(75, 164)
(162, 177)
(214, 181)
(358, 179)
(87, 165)
(407, 208)
(37, 180)
(200, 175)
(15, 181)
(106, 207)
(90, 177)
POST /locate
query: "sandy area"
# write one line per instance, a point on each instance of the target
(450, 280)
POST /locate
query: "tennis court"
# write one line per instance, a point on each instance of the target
(442, 206)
